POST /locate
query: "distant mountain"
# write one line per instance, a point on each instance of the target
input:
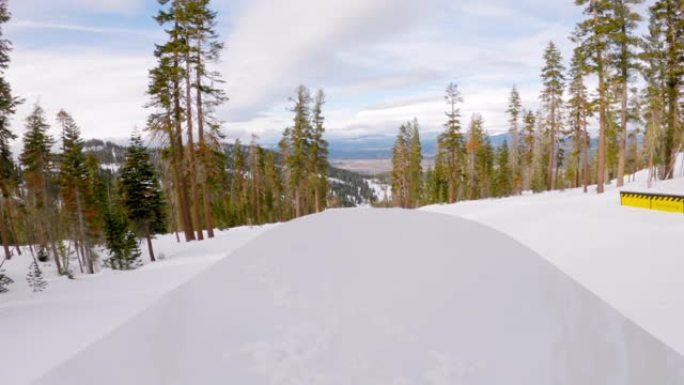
(380, 146)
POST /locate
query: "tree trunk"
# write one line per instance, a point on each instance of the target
(87, 253)
(552, 150)
(197, 210)
(4, 236)
(204, 155)
(623, 137)
(180, 167)
(148, 237)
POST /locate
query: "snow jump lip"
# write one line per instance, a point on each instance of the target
(378, 296)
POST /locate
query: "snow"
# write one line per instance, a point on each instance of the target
(382, 191)
(377, 297)
(578, 290)
(632, 258)
(39, 331)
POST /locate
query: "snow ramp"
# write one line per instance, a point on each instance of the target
(363, 296)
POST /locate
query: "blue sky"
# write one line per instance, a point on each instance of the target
(381, 62)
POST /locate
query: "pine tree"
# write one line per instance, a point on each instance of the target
(166, 93)
(669, 22)
(515, 114)
(35, 278)
(591, 37)
(36, 159)
(8, 106)
(141, 193)
(527, 154)
(206, 50)
(400, 167)
(5, 280)
(121, 242)
(475, 152)
(624, 42)
(318, 155)
(654, 111)
(415, 168)
(451, 146)
(503, 185)
(579, 111)
(552, 99)
(239, 186)
(299, 142)
(74, 179)
(256, 180)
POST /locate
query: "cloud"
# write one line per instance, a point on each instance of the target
(105, 93)
(23, 8)
(381, 62)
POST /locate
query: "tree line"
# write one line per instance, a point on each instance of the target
(64, 206)
(635, 106)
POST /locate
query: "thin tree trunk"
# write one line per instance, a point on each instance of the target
(4, 236)
(623, 137)
(601, 172)
(206, 197)
(12, 227)
(552, 149)
(87, 255)
(197, 211)
(148, 236)
(180, 169)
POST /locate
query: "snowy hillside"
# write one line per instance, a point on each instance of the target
(376, 296)
(395, 297)
(630, 257)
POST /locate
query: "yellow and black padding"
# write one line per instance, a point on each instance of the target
(652, 201)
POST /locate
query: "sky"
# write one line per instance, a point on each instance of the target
(380, 62)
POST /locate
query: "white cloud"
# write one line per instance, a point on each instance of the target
(104, 92)
(381, 61)
(21, 8)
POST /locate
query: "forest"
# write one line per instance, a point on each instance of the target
(621, 84)
(84, 205)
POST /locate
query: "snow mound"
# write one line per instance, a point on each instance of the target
(377, 297)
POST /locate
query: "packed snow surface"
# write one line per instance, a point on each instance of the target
(377, 297)
(41, 330)
(632, 258)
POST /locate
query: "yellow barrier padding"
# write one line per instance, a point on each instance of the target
(635, 200)
(669, 204)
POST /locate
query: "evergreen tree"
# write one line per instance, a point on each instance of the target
(451, 146)
(624, 42)
(579, 111)
(654, 71)
(415, 168)
(8, 105)
(121, 242)
(141, 193)
(299, 143)
(5, 280)
(591, 35)
(36, 159)
(527, 153)
(166, 92)
(475, 152)
(669, 22)
(318, 155)
(400, 167)
(515, 114)
(552, 99)
(35, 278)
(74, 183)
(503, 185)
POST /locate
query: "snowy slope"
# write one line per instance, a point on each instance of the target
(377, 297)
(632, 258)
(40, 331)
